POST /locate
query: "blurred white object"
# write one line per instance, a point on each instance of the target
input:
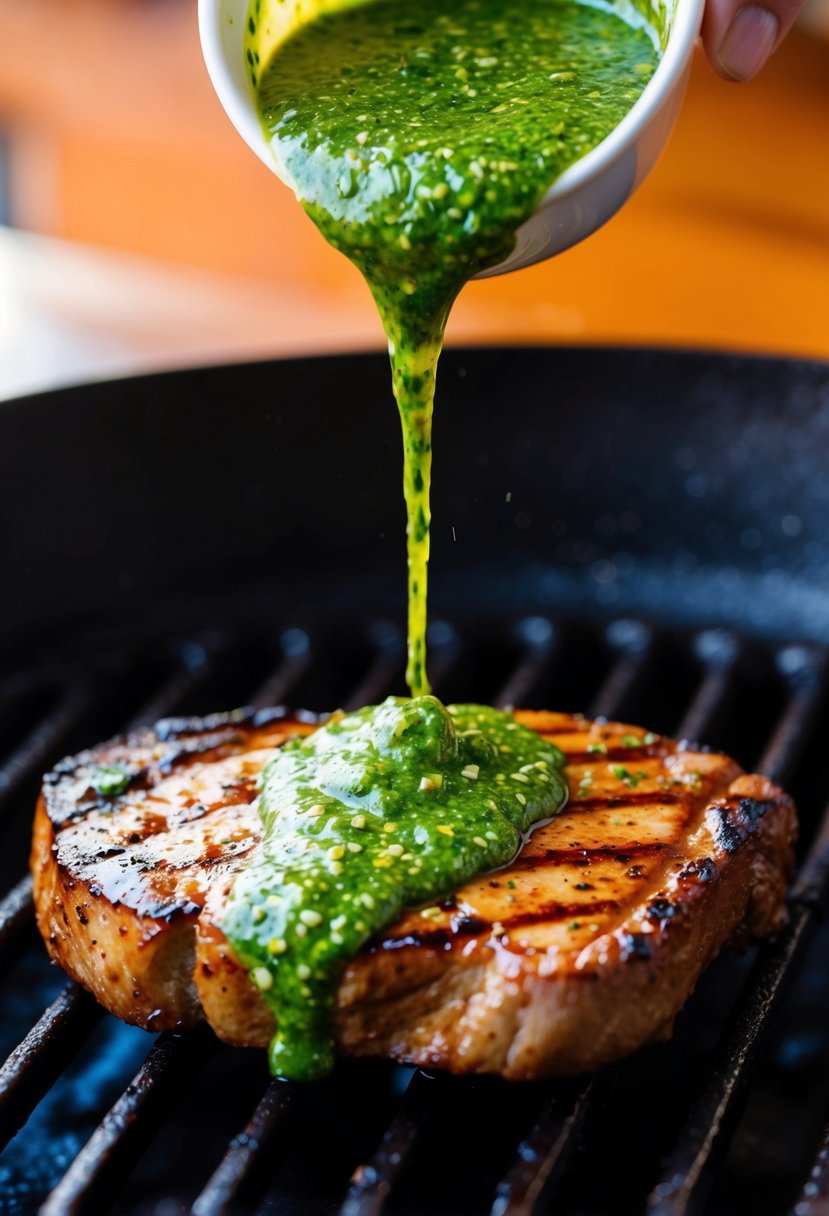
(581, 200)
(70, 313)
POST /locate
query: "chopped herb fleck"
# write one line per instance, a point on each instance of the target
(110, 780)
(623, 774)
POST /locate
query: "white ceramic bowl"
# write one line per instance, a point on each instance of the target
(585, 196)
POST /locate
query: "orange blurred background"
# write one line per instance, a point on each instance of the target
(115, 142)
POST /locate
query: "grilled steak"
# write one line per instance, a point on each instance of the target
(581, 950)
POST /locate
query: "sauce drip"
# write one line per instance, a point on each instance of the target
(419, 140)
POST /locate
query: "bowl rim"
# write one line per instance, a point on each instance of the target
(231, 87)
(656, 93)
(234, 93)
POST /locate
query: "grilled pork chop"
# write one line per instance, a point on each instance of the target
(580, 951)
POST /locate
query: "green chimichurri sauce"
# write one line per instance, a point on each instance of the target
(418, 140)
(375, 812)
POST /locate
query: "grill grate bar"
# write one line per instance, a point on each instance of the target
(372, 1183)
(814, 1198)
(194, 666)
(384, 667)
(632, 643)
(444, 650)
(718, 652)
(537, 637)
(238, 1163)
(28, 760)
(685, 1181)
(121, 1132)
(543, 1155)
(16, 914)
(811, 888)
(804, 669)
(296, 659)
(38, 1060)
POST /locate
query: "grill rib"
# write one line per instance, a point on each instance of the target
(632, 644)
(718, 652)
(32, 756)
(36, 1063)
(296, 658)
(544, 1154)
(122, 1131)
(238, 1163)
(537, 639)
(814, 1198)
(16, 914)
(372, 1183)
(194, 665)
(387, 662)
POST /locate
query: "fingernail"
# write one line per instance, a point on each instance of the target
(749, 42)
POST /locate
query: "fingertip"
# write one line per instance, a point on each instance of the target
(747, 43)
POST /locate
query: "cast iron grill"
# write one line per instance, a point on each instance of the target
(729, 1117)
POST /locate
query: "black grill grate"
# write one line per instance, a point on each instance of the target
(199, 1127)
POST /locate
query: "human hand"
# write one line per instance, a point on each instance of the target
(739, 37)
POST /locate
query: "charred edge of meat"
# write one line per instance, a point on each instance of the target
(184, 740)
(169, 730)
(635, 946)
(704, 869)
(737, 818)
(662, 910)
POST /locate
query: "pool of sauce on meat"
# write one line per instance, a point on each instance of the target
(377, 811)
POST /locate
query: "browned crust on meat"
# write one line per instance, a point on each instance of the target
(553, 979)
(530, 1016)
(139, 970)
(127, 933)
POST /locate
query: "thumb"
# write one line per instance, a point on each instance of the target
(739, 37)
